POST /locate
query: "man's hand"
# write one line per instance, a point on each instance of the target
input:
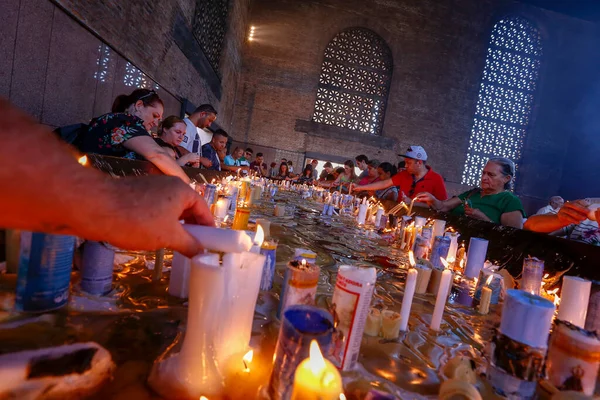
(572, 212)
(148, 212)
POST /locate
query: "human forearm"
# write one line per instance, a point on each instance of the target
(375, 185)
(545, 223)
(167, 165)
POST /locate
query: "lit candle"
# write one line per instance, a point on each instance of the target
(221, 208)
(266, 226)
(440, 301)
(259, 238)
(362, 212)
(240, 218)
(316, 378)
(453, 246)
(409, 292)
(245, 374)
(486, 296)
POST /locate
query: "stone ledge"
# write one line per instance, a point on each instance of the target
(333, 132)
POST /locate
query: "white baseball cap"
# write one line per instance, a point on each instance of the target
(415, 152)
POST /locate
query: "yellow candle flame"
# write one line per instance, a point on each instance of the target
(247, 359)
(203, 398)
(82, 160)
(476, 280)
(489, 280)
(462, 263)
(226, 218)
(556, 300)
(553, 292)
(411, 258)
(445, 263)
(316, 360)
(260, 236)
(546, 276)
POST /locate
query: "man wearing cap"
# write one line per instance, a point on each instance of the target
(416, 178)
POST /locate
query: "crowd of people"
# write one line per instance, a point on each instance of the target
(125, 132)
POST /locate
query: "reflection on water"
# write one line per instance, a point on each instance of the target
(138, 319)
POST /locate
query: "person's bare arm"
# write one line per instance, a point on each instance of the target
(570, 213)
(48, 191)
(512, 218)
(374, 186)
(147, 147)
(436, 204)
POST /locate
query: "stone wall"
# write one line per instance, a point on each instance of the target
(439, 50)
(65, 61)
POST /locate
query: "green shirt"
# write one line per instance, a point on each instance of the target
(493, 206)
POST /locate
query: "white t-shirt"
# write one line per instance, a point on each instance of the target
(193, 133)
(546, 210)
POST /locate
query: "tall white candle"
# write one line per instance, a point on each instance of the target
(440, 301)
(453, 246)
(179, 280)
(362, 214)
(409, 293)
(378, 216)
(475, 257)
(575, 296)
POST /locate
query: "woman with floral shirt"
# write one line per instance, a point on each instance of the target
(124, 132)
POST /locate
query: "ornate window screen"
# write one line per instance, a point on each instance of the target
(354, 82)
(136, 78)
(210, 26)
(506, 96)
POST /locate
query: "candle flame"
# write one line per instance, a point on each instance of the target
(546, 276)
(476, 280)
(226, 218)
(342, 396)
(203, 398)
(411, 258)
(462, 263)
(445, 263)
(489, 280)
(553, 291)
(556, 300)
(260, 236)
(247, 359)
(316, 360)
(82, 160)
(303, 262)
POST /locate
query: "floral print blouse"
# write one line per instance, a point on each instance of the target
(107, 134)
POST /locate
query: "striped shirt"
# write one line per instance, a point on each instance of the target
(586, 232)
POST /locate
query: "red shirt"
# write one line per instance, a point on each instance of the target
(431, 182)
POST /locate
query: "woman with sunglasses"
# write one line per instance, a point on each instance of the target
(492, 201)
(125, 132)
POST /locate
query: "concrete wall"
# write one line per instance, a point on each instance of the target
(439, 50)
(65, 61)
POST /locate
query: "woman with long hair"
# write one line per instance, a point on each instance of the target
(283, 173)
(125, 132)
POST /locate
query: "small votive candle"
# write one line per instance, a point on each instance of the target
(390, 324)
(373, 325)
(240, 219)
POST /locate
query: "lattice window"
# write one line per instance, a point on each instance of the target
(354, 82)
(103, 62)
(506, 95)
(210, 26)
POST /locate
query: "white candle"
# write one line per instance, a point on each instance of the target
(179, 280)
(221, 208)
(378, 216)
(453, 246)
(362, 214)
(440, 301)
(486, 296)
(390, 324)
(575, 296)
(220, 240)
(438, 229)
(409, 293)
(316, 378)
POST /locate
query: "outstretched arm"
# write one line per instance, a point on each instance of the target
(374, 186)
(48, 191)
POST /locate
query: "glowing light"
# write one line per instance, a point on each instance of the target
(260, 236)
(476, 280)
(411, 258)
(546, 276)
(247, 359)
(316, 360)
(303, 262)
(203, 398)
(556, 300)
(82, 160)
(342, 396)
(489, 280)
(445, 263)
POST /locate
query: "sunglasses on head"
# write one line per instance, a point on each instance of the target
(150, 93)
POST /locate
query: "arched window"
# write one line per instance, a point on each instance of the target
(506, 95)
(210, 26)
(354, 82)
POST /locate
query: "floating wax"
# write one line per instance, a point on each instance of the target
(350, 306)
(299, 285)
(573, 358)
(475, 257)
(299, 326)
(533, 273)
(575, 296)
(521, 344)
(390, 325)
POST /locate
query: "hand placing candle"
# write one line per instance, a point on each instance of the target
(316, 378)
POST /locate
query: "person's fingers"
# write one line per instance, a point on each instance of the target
(576, 209)
(199, 213)
(597, 214)
(185, 243)
(571, 216)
